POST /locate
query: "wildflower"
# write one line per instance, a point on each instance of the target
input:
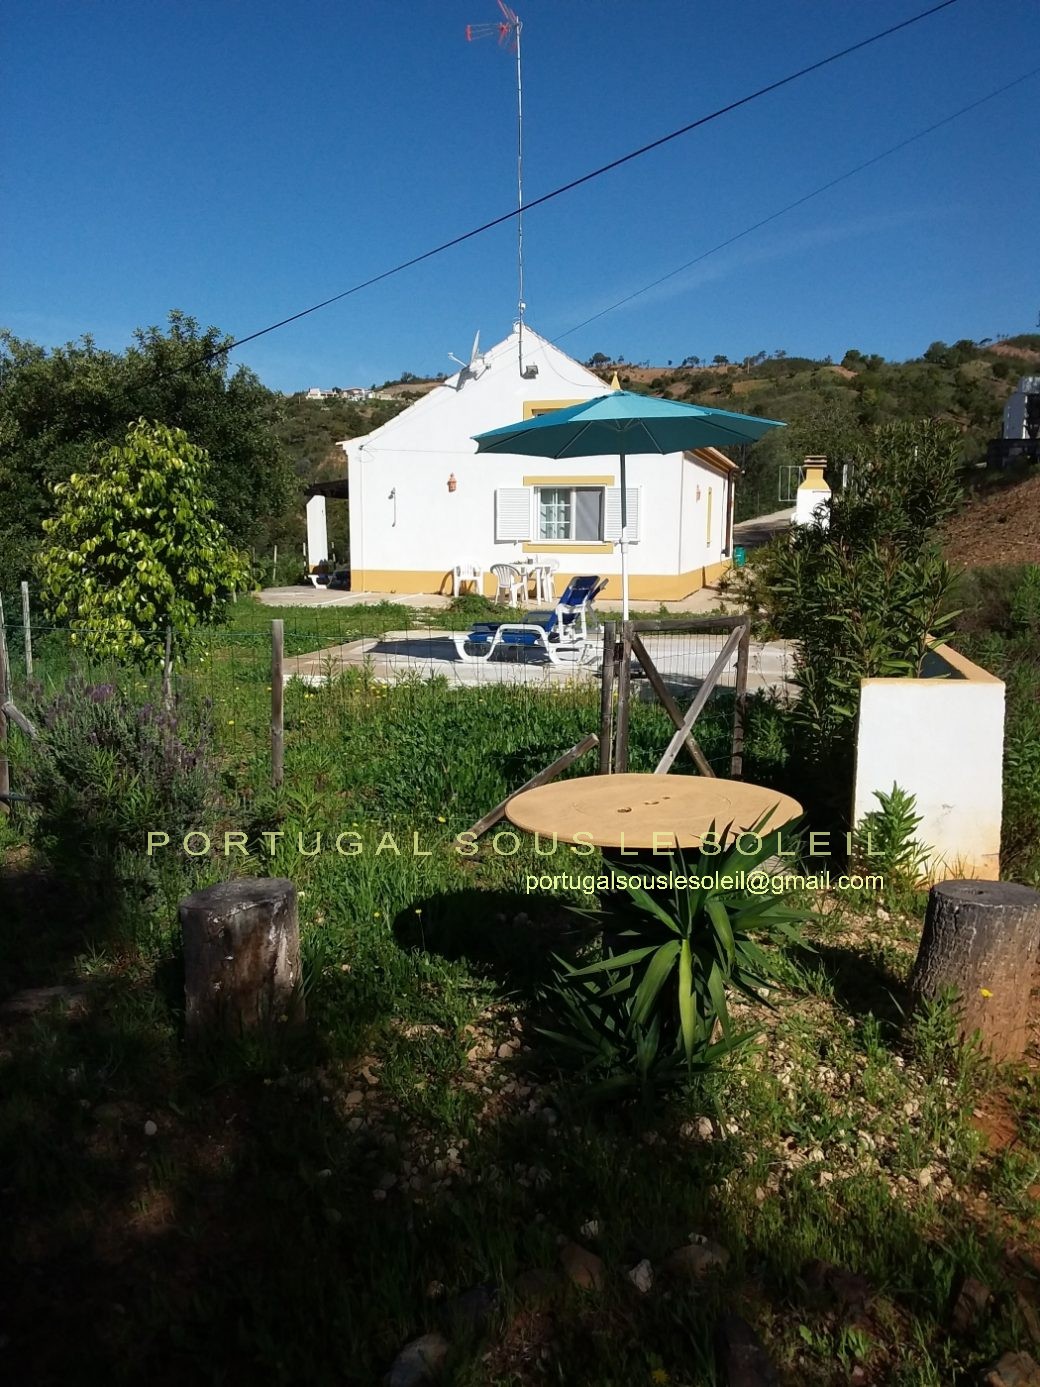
(985, 992)
(659, 1375)
(418, 910)
(231, 722)
(376, 914)
(441, 819)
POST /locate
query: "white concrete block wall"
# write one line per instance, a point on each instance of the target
(942, 740)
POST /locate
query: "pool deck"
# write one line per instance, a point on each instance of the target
(682, 659)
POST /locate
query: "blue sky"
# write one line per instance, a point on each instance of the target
(242, 159)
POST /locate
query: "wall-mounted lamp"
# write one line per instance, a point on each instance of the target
(452, 483)
(393, 497)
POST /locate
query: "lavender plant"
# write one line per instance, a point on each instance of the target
(105, 770)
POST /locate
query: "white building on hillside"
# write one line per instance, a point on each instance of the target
(422, 500)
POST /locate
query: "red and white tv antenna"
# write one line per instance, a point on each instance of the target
(507, 33)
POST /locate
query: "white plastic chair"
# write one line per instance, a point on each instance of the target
(510, 583)
(467, 573)
(547, 580)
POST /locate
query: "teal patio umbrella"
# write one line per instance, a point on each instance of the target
(622, 422)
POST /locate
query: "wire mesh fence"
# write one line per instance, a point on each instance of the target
(387, 674)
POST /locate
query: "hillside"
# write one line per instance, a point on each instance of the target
(1000, 525)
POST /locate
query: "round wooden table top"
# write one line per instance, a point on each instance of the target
(653, 812)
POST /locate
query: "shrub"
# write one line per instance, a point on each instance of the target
(867, 596)
(886, 841)
(135, 548)
(102, 774)
(653, 1011)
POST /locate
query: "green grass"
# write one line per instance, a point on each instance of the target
(245, 1239)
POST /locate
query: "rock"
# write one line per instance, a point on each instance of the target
(419, 1362)
(969, 1302)
(537, 1285)
(150, 1128)
(584, 1269)
(743, 1360)
(469, 1312)
(697, 1259)
(858, 1375)
(1029, 1315)
(354, 1098)
(1013, 1370)
(701, 1130)
(642, 1277)
(835, 1286)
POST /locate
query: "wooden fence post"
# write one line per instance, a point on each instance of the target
(624, 683)
(5, 694)
(167, 670)
(26, 629)
(277, 701)
(606, 697)
(736, 762)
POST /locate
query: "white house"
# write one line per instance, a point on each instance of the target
(422, 500)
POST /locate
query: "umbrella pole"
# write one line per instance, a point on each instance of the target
(624, 542)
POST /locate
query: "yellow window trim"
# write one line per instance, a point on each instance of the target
(532, 408)
(542, 547)
(569, 481)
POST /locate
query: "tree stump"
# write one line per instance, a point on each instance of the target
(982, 939)
(241, 957)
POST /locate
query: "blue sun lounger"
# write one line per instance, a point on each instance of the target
(562, 634)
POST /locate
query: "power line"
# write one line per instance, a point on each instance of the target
(587, 178)
(799, 202)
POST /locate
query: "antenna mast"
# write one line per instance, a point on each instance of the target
(507, 32)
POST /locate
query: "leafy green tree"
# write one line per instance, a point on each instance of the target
(135, 547)
(57, 407)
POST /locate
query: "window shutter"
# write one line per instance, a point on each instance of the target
(512, 513)
(612, 529)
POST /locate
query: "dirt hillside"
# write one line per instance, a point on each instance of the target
(997, 527)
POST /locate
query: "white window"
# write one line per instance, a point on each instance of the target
(569, 514)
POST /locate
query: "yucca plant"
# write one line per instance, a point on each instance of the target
(651, 1014)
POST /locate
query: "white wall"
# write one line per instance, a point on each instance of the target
(426, 527)
(941, 739)
(317, 532)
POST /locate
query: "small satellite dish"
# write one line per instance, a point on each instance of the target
(475, 366)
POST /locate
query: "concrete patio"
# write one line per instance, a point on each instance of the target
(682, 659)
(700, 603)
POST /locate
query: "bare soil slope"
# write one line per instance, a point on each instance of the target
(997, 527)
